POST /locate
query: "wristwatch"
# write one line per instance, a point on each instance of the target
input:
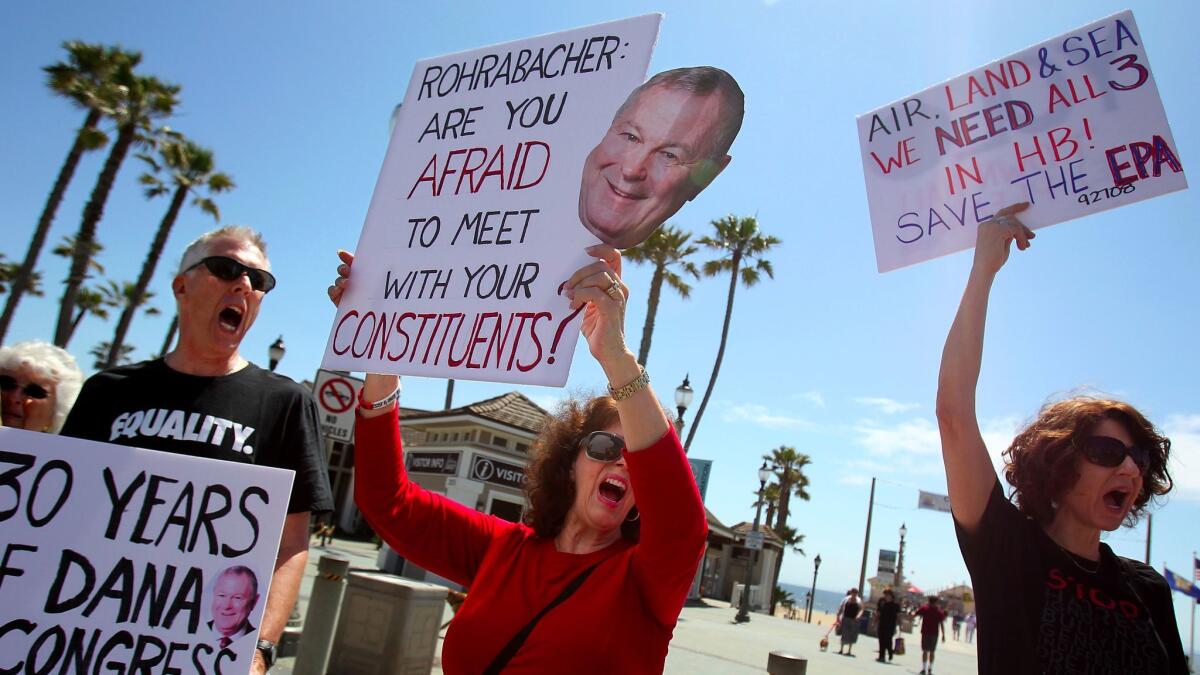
(267, 649)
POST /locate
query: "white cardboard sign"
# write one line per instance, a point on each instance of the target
(337, 397)
(474, 223)
(114, 557)
(1073, 126)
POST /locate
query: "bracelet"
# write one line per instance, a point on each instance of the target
(639, 383)
(386, 401)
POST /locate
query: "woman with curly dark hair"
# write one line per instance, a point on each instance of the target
(1050, 597)
(594, 579)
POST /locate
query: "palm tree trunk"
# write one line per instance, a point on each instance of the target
(82, 312)
(449, 393)
(143, 280)
(87, 233)
(781, 516)
(20, 283)
(733, 279)
(656, 283)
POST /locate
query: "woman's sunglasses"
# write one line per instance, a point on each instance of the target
(228, 269)
(8, 383)
(603, 446)
(1109, 452)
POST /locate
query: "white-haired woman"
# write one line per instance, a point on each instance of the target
(38, 386)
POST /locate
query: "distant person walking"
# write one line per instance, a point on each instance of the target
(956, 626)
(970, 627)
(889, 611)
(1050, 596)
(933, 619)
(847, 621)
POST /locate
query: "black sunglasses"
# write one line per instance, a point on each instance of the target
(8, 383)
(1108, 451)
(228, 269)
(603, 446)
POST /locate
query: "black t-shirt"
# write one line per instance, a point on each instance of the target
(252, 416)
(888, 611)
(1042, 610)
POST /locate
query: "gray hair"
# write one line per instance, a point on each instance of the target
(51, 363)
(244, 571)
(703, 81)
(198, 249)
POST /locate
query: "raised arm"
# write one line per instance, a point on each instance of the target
(969, 473)
(673, 523)
(434, 532)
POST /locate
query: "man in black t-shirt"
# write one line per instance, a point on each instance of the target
(204, 399)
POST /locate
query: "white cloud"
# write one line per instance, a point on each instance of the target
(763, 416)
(813, 397)
(916, 436)
(1184, 432)
(886, 405)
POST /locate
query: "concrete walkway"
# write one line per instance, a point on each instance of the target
(708, 642)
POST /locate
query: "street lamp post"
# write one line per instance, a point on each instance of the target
(743, 614)
(900, 563)
(683, 399)
(275, 352)
(812, 594)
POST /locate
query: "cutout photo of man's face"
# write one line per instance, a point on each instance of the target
(657, 154)
(234, 599)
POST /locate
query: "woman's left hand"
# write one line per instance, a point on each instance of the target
(599, 286)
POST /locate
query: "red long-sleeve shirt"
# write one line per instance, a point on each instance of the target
(619, 621)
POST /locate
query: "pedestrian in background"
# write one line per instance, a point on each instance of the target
(889, 611)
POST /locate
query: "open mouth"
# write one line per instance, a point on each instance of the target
(612, 490)
(1115, 500)
(230, 319)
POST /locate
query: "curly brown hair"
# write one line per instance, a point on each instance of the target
(1041, 463)
(549, 484)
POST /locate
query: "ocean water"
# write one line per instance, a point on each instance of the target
(825, 601)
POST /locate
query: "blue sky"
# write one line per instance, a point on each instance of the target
(830, 357)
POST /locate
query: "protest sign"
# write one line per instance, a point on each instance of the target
(127, 560)
(933, 501)
(474, 223)
(337, 397)
(1073, 126)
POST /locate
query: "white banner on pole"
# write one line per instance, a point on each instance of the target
(933, 501)
(111, 556)
(1073, 125)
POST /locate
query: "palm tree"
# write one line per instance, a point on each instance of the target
(141, 100)
(667, 247)
(191, 167)
(8, 273)
(86, 79)
(770, 499)
(96, 301)
(788, 466)
(741, 248)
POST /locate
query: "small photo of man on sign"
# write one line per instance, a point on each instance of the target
(666, 143)
(234, 597)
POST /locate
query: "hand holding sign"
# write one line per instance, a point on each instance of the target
(995, 236)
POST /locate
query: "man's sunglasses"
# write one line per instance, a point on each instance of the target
(8, 383)
(228, 269)
(1109, 452)
(603, 446)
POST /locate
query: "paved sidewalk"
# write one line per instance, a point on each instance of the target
(708, 642)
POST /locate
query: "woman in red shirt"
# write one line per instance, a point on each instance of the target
(631, 560)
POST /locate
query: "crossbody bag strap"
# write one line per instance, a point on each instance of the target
(514, 645)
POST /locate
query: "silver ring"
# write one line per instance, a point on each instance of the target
(614, 291)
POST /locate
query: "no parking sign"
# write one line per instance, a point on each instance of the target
(336, 395)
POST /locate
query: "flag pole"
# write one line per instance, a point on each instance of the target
(862, 573)
(1149, 529)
